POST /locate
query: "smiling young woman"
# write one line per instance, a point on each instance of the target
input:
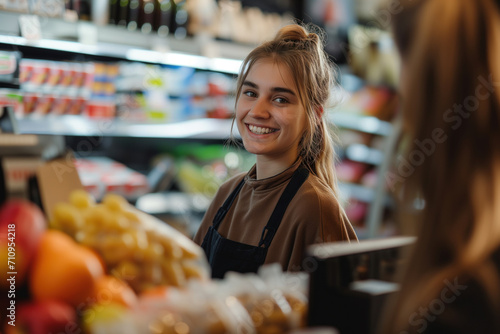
(270, 117)
(288, 200)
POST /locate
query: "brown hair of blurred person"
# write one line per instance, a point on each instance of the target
(450, 90)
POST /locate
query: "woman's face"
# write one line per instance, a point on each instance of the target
(269, 114)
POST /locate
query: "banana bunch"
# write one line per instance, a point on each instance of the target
(136, 247)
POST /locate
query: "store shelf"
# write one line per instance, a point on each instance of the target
(364, 154)
(114, 41)
(362, 123)
(360, 192)
(69, 125)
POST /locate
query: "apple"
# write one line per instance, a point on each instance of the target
(43, 317)
(22, 224)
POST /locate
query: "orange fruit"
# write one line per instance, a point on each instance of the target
(109, 289)
(159, 291)
(64, 270)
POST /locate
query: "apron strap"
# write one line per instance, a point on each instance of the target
(221, 213)
(298, 178)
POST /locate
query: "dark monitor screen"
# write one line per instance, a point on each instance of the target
(349, 282)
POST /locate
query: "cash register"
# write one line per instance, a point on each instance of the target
(350, 282)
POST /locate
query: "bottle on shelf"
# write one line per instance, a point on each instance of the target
(148, 8)
(114, 12)
(122, 15)
(134, 15)
(83, 9)
(163, 19)
(181, 18)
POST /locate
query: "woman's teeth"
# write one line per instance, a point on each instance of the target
(260, 131)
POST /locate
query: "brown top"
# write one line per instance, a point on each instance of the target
(312, 216)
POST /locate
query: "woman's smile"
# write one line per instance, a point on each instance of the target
(260, 129)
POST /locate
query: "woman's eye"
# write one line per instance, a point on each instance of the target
(281, 100)
(249, 93)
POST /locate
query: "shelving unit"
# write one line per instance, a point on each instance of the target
(72, 125)
(117, 42)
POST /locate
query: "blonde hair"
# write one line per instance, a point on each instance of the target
(301, 49)
(450, 51)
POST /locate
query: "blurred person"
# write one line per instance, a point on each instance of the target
(288, 200)
(450, 87)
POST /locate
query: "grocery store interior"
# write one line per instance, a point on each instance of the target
(137, 97)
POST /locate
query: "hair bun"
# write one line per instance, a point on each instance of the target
(297, 34)
(294, 33)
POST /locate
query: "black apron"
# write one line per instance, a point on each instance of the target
(227, 255)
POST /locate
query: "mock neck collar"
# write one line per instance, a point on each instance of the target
(271, 182)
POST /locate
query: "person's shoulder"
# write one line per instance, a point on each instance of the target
(316, 193)
(315, 200)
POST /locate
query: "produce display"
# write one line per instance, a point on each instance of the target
(109, 268)
(136, 247)
(268, 302)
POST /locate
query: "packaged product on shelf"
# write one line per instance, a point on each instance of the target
(50, 8)
(26, 70)
(9, 69)
(30, 100)
(101, 102)
(351, 171)
(54, 76)
(9, 97)
(44, 104)
(39, 75)
(15, 5)
(101, 175)
(61, 105)
(129, 107)
(100, 109)
(76, 106)
(372, 101)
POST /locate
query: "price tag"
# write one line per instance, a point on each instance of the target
(30, 27)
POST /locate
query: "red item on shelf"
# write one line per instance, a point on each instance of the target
(351, 171)
(101, 175)
(96, 109)
(29, 103)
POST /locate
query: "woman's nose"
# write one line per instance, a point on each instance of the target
(260, 109)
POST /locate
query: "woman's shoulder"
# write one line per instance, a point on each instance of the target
(315, 202)
(317, 193)
(318, 205)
